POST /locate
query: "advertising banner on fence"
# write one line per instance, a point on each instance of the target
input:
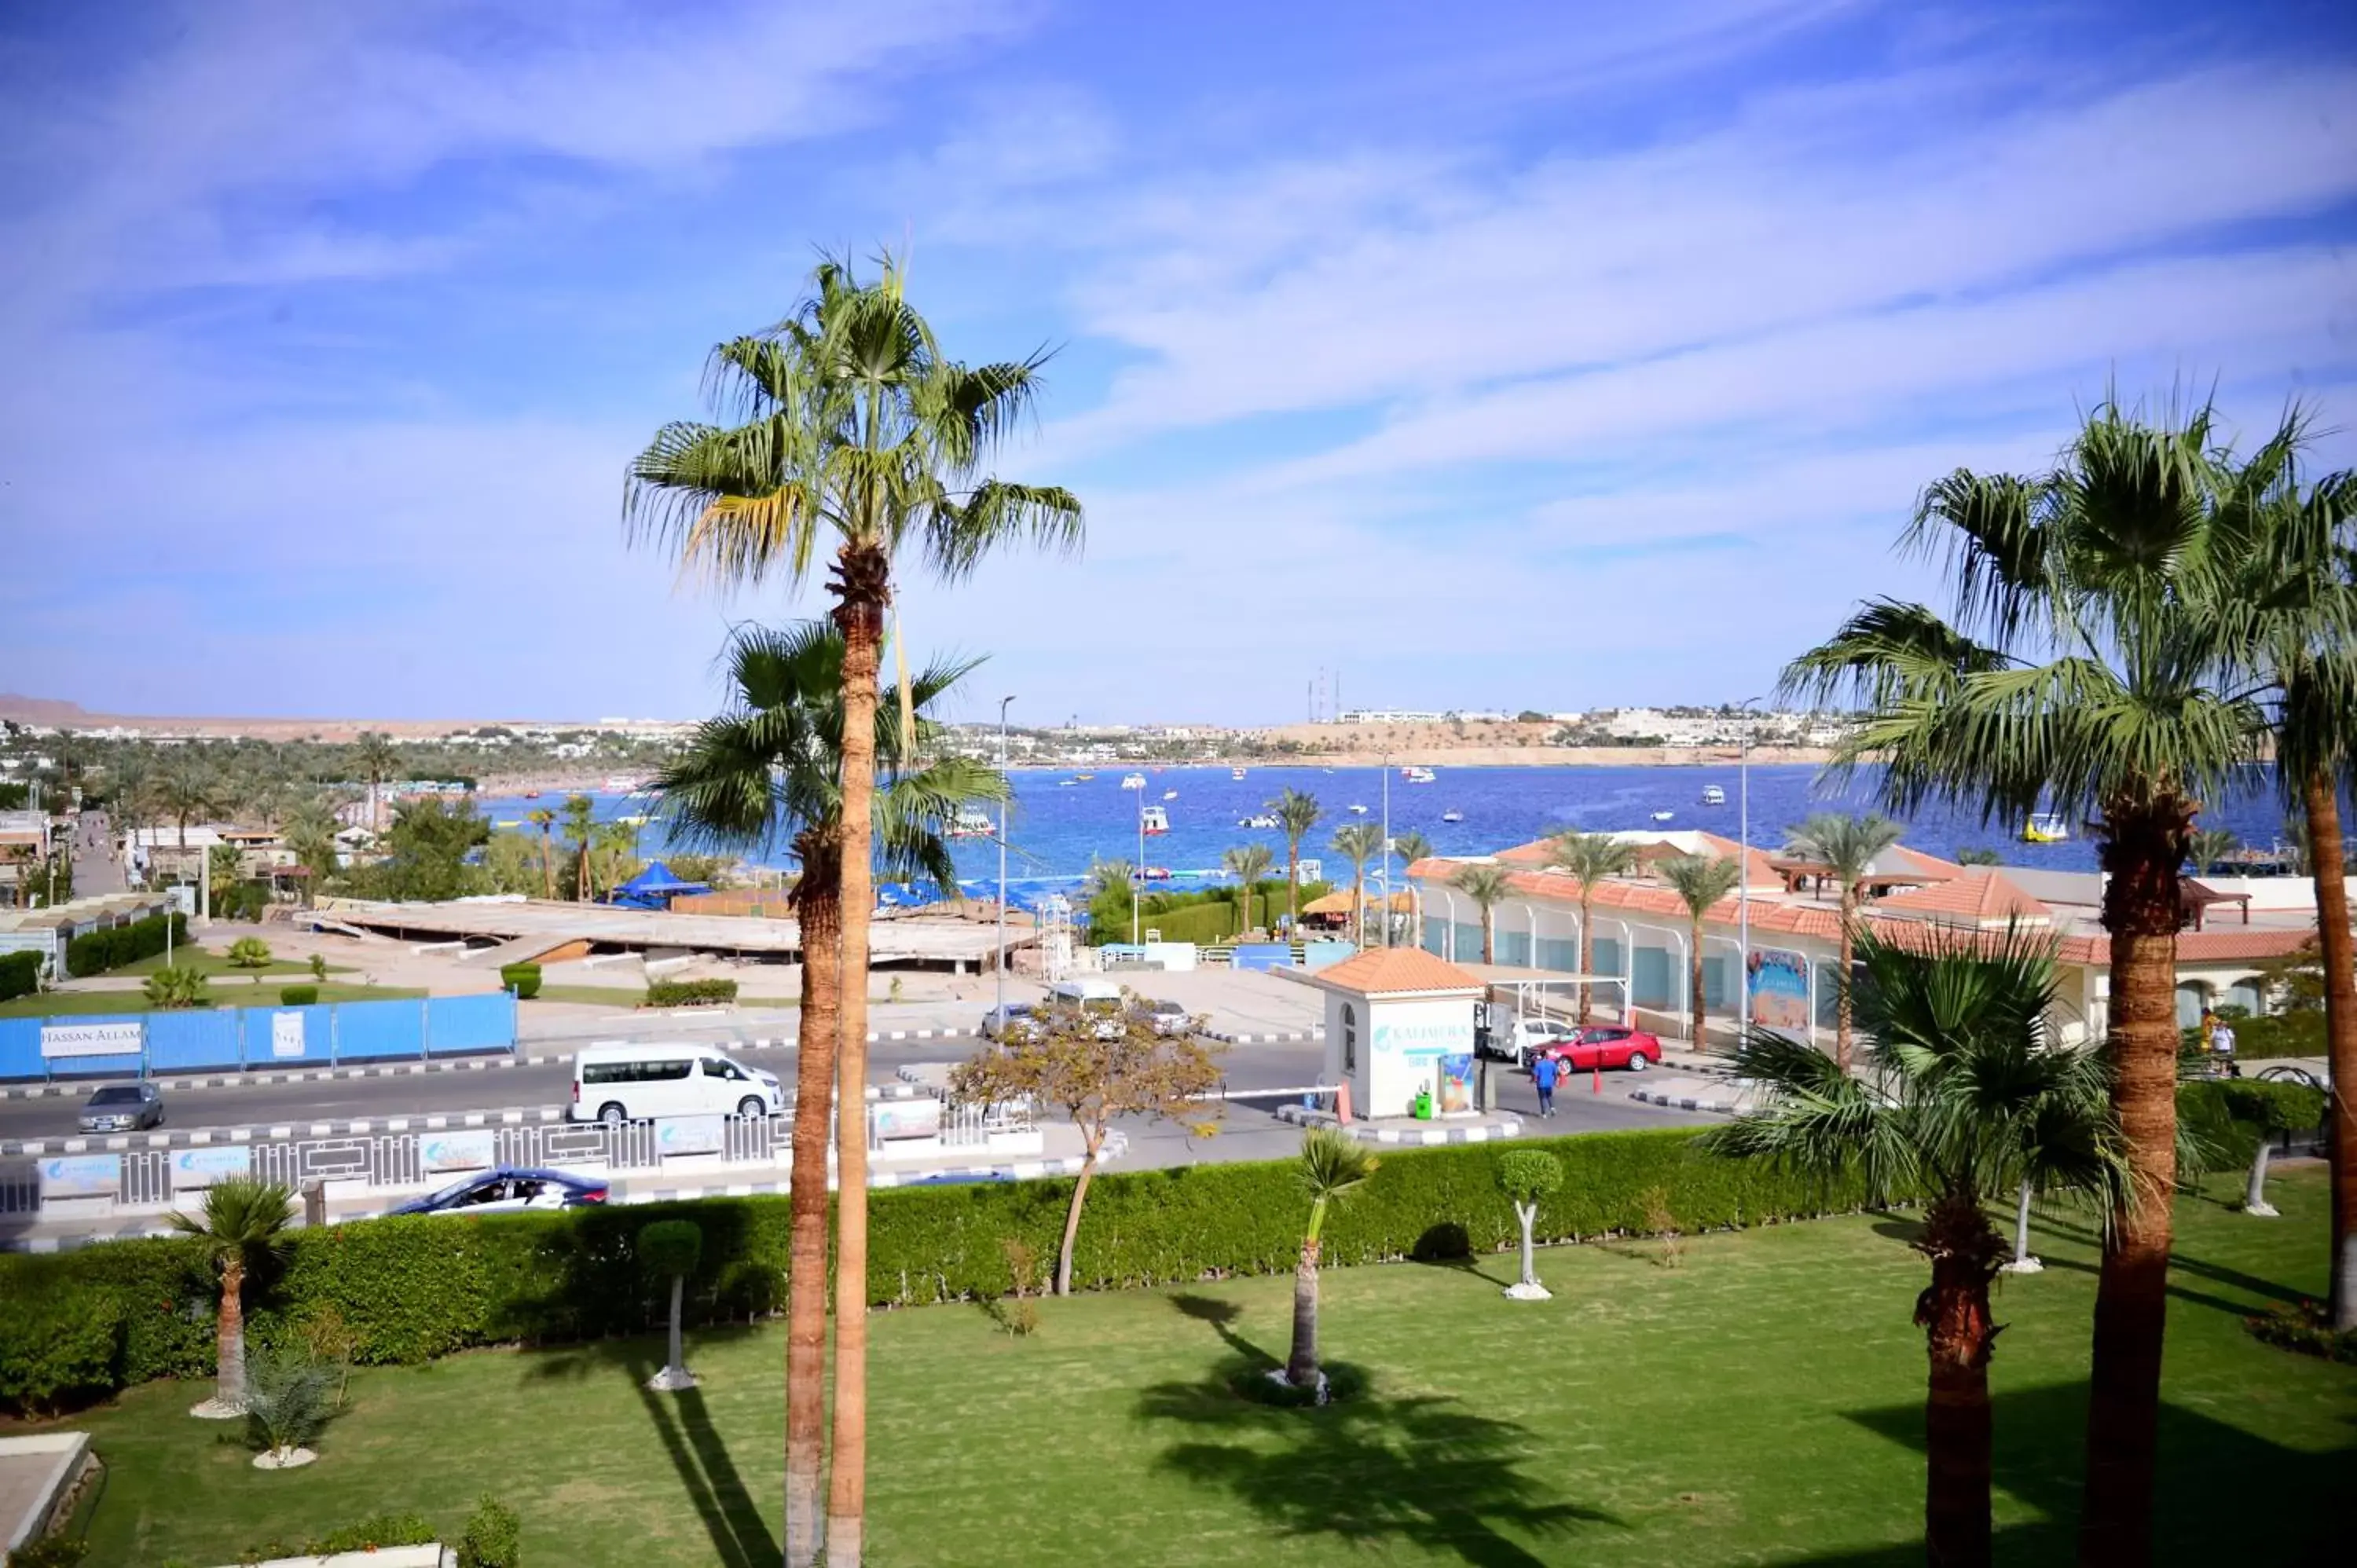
(476, 1149)
(81, 1175)
(918, 1118)
(689, 1134)
(91, 1039)
(286, 1034)
(202, 1167)
(1779, 989)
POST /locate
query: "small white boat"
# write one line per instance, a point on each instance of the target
(1153, 821)
(1358, 811)
(973, 823)
(1663, 816)
(1235, 773)
(1171, 794)
(1712, 795)
(2045, 827)
(1133, 781)
(1415, 775)
(1452, 816)
(1261, 820)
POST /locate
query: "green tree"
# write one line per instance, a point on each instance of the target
(768, 771)
(425, 852)
(310, 833)
(1591, 860)
(856, 430)
(1844, 847)
(183, 790)
(1487, 885)
(668, 1250)
(1359, 842)
(2081, 668)
(1094, 1077)
(1248, 863)
(1333, 1166)
(2207, 848)
(542, 818)
(243, 1221)
(378, 761)
(1412, 846)
(613, 857)
(1296, 813)
(1966, 1094)
(511, 861)
(1700, 881)
(1527, 1176)
(580, 831)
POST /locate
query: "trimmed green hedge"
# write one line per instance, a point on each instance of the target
(524, 979)
(297, 995)
(2226, 1115)
(689, 993)
(20, 974)
(115, 946)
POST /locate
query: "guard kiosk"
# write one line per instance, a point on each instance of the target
(1399, 1026)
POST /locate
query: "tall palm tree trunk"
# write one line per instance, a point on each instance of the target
(2142, 848)
(229, 1335)
(1359, 903)
(1841, 989)
(1953, 1312)
(1293, 883)
(1489, 938)
(548, 864)
(818, 906)
(1301, 1366)
(1693, 982)
(1587, 956)
(2324, 863)
(864, 588)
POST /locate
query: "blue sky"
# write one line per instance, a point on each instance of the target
(1554, 355)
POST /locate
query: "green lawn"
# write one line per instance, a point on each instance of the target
(1759, 1403)
(224, 994)
(216, 964)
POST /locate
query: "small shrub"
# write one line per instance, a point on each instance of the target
(1019, 1314)
(493, 1536)
(297, 995)
(320, 968)
(1662, 1220)
(524, 979)
(2303, 1329)
(49, 1552)
(177, 987)
(690, 993)
(249, 952)
(332, 1342)
(114, 945)
(286, 1399)
(20, 974)
(373, 1532)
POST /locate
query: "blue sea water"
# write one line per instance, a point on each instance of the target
(1057, 829)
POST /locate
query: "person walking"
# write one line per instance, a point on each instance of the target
(1543, 1074)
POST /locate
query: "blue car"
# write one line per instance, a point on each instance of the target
(508, 1189)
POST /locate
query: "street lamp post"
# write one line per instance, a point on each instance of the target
(1003, 802)
(1137, 873)
(1387, 860)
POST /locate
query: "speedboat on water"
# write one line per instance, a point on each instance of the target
(1154, 820)
(1663, 816)
(1263, 820)
(1452, 816)
(2046, 827)
(1415, 775)
(1235, 773)
(1171, 794)
(1712, 795)
(1358, 811)
(973, 823)
(1133, 781)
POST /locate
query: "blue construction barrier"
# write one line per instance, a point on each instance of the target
(1263, 955)
(228, 1038)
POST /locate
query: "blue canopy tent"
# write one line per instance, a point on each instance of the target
(654, 888)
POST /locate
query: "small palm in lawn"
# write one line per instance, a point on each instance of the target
(1528, 1176)
(243, 1222)
(1487, 886)
(1700, 882)
(1412, 846)
(1333, 1166)
(249, 952)
(668, 1250)
(1843, 846)
(2209, 848)
(1296, 813)
(1359, 843)
(1965, 1095)
(544, 820)
(1248, 863)
(1591, 860)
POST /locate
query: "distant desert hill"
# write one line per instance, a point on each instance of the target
(50, 714)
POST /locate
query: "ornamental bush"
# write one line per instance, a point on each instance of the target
(689, 993)
(524, 979)
(115, 946)
(297, 995)
(20, 974)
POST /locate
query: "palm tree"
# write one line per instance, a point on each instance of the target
(580, 832)
(376, 760)
(2209, 848)
(310, 833)
(610, 847)
(2080, 670)
(1296, 813)
(544, 820)
(856, 430)
(1359, 842)
(2302, 576)
(244, 1221)
(1486, 885)
(1333, 1166)
(1412, 846)
(1248, 863)
(1700, 882)
(1967, 1096)
(1844, 846)
(769, 770)
(184, 789)
(1590, 859)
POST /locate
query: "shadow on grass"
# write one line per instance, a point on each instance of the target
(2180, 1262)
(2037, 1457)
(699, 1455)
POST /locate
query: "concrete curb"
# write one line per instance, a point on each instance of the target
(1283, 1038)
(1683, 1102)
(1508, 1126)
(445, 1064)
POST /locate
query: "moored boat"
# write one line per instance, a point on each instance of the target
(1153, 821)
(1712, 795)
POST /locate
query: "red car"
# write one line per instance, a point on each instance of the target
(1608, 1045)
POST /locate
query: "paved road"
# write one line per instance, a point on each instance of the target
(96, 870)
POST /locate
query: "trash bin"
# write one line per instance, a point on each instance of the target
(1422, 1108)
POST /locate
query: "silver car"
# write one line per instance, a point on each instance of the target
(1015, 1021)
(123, 1108)
(1167, 1018)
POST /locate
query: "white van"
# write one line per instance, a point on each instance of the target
(617, 1083)
(1097, 999)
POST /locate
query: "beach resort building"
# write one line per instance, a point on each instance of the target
(2234, 926)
